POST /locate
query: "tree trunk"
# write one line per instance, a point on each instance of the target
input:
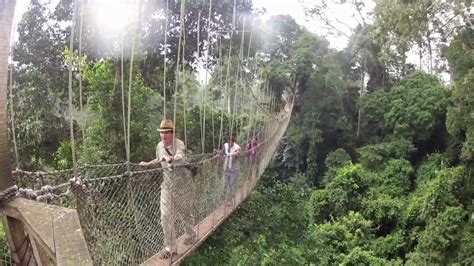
(430, 51)
(359, 115)
(7, 8)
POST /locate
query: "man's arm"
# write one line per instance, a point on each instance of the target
(155, 163)
(226, 148)
(180, 152)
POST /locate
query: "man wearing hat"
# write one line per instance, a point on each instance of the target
(176, 190)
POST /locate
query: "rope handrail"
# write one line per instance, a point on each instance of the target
(37, 174)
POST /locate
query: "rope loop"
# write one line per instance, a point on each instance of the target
(46, 190)
(8, 194)
(45, 198)
(127, 174)
(76, 183)
(27, 193)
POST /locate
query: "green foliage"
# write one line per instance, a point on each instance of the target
(63, 156)
(383, 209)
(435, 195)
(460, 54)
(346, 190)
(460, 119)
(262, 252)
(309, 50)
(466, 244)
(279, 35)
(331, 241)
(104, 127)
(414, 109)
(374, 106)
(439, 238)
(254, 236)
(418, 106)
(429, 167)
(395, 31)
(396, 177)
(319, 206)
(4, 248)
(391, 246)
(375, 156)
(358, 256)
(333, 161)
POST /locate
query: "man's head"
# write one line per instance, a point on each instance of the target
(166, 131)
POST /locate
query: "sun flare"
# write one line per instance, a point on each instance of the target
(112, 16)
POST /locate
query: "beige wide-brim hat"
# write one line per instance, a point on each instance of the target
(166, 126)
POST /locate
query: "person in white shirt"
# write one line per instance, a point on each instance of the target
(231, 168)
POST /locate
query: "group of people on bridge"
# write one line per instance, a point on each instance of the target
(178, 188)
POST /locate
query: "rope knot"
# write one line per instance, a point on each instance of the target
(127, 174)
(27, 193)
(45, 198)
(76, 183)
(46, 189)
(38, 175)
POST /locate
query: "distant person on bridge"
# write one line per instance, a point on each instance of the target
(252, 149)
(231, 168)
(177, 189)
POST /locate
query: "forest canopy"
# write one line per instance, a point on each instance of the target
(376, 166)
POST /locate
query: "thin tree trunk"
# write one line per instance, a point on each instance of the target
(430, 51)
(7, 9)
(359, 115)
(420, 53)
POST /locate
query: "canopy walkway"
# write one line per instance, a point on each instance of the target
(119, 205)
(112, 214)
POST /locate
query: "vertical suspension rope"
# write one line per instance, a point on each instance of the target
(197, 56)
(70, 95)
(198, 32)
(221, 83)
(251, 108)
(184, 86)
(11, 85)
(12, 111)
(241, 76)
(230, 49)
(228, 67)
(122, 82)
(213, 129)
(81, 24)
(206, 81)
(130, 80)
(129, 96)
(234, 105)
(181, 21)
(164, 60)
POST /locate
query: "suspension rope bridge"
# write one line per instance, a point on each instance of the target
(120, 206)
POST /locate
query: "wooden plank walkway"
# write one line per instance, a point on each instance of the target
(205, 227)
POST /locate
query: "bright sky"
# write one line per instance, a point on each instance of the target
(296, 9)
(344, 13)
